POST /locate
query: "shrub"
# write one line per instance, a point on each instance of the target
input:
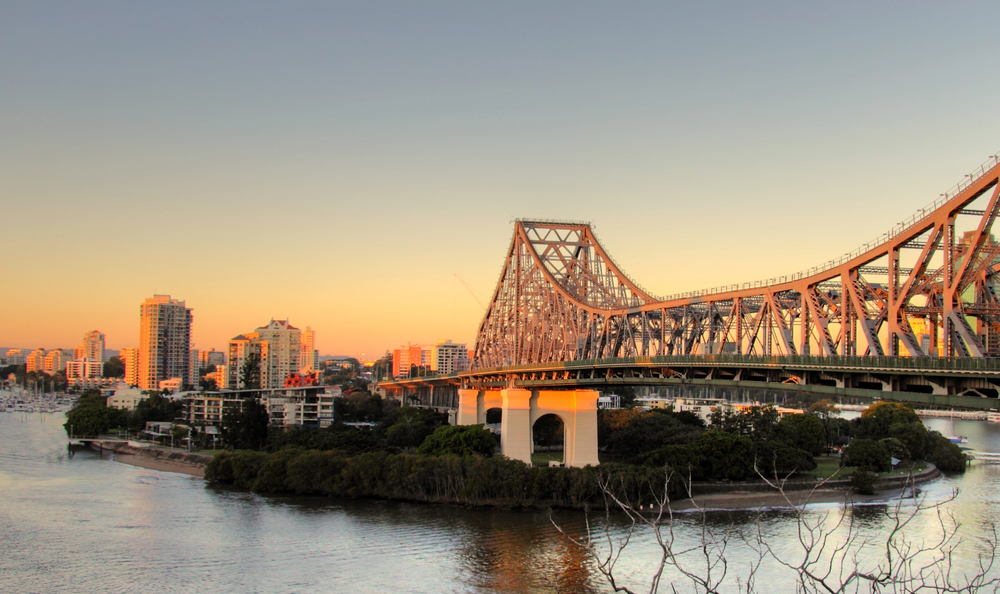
(246, 465)
(313, 472)
(271, 478)
(220, 468)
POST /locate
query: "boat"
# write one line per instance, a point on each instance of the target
(957, 438)
(993, 417)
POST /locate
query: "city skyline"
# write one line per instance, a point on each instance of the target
(368, 155)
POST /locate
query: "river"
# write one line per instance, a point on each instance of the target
(89, 524)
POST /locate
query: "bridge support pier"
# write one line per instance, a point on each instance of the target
(521, 408)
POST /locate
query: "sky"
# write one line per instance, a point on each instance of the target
(343, 165)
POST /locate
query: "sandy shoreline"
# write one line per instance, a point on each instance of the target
(155, 458)
(160, 465)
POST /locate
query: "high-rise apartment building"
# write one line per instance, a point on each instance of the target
(15, 357)
(279, 346)
(35, 361)
(194, 368)
(55, 361)
(449, 357)
(212, 357)
(444, 356)
(92, 347)
(240, 348)
(83, 369)
(130, 357)
(409, 356)
(309, 356)
(164, 341)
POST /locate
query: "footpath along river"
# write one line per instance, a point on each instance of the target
(88, 524)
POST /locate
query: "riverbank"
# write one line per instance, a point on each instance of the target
(155, 458)
(762, 495)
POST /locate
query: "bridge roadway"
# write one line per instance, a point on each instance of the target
(941, 382)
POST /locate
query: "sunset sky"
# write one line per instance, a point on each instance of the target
(337, 164)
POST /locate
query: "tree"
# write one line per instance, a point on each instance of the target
(246, 425)
(805, 432)
(631, 433)
(895, 448)
(91, 415)
(250, 372)
(758, 422)
(913, 435)
(407, 435)
(157, 407)
(725, 455)
(114, 367)
(778, 458)
(876, 420)
(824, 409)
(866, 454)
(944, 454)
(459, 440)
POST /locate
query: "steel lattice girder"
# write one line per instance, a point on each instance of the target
(561, 297)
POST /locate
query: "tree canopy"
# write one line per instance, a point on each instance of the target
(459, 440)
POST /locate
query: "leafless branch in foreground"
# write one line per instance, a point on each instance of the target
(703, 564)
(834, 554)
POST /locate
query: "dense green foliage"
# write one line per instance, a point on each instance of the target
(884, 420)
(630, 434)
(895, 448)
(155, 408)
(407, 427)
(92, 420)
(866, 454)
(246, 425)
(805, 432)
(350, 440)
(777, 458)
(470, 480)
(759, 423)
(250, 373)
(863, 482)
(114, 367)
(944, 454)
(459, 440)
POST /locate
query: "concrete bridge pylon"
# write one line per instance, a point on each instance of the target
(521, 408)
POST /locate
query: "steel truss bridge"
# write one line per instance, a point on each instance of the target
(911, 315)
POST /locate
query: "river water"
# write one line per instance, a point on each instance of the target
(89, 524)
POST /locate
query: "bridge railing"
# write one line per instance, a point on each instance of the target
(914, 220)
(943, 364)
